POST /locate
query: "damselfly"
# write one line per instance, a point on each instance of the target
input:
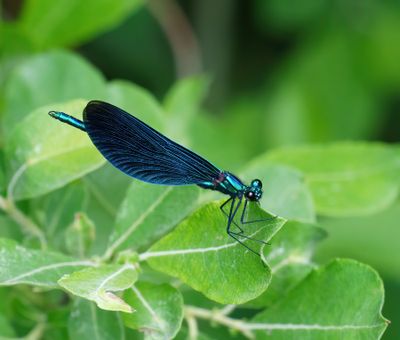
(145, 154)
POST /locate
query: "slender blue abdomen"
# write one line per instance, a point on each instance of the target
(63, 117)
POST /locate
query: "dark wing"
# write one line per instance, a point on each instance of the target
(140, 151)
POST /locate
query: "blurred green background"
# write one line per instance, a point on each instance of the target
(281, 73)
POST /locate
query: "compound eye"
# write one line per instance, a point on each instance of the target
(250, 195)
(256, 183)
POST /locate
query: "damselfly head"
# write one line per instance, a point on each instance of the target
(254, 191)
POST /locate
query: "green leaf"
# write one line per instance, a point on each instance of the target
(68, 22)
(345, 178)
(200, 253)
(86, 321)
(56, 326)
(159, 310)
(289, 257)
(55, 211)
(47, 78)
(97, 284)
(148, 212)
(80, 235)
(137, 101)
(370, 239)
(10, 229)
(2, 175)
(182, 103)
(107, 188)
(107, 185)
(298, 110)
(285, 191)
(19, 265)
(342, 300)
(41, 156)
(6, 330)
(287, 16)
(14, 46)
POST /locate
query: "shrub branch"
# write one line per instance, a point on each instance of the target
(22, 220)
(220, 317)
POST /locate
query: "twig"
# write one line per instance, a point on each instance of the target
(179, 34)
(218, 316)
(192, 325)
(37, 332)
(22, 220)
(228, 309)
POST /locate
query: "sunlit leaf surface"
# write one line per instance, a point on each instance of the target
(201, 254)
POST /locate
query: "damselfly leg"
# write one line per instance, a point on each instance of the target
(240, 233)
(231, 220)
(232, 212)
(227, 214)
(253, 221)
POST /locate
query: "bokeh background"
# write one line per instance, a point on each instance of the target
(281, 72)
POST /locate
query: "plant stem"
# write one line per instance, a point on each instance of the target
(219, 316)
(37, 332)
(192, 325)
(180, 35)
(22, 220)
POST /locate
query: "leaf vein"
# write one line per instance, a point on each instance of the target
(133, 227)
(42, 269)
(289, 326)
(149, 308)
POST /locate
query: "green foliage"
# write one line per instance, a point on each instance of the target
(71, 21)
(80, 235)
(161, 255)
(346, 179)
(148, 212)
(138, 101)
(182, 103)
(53, 77)
(159, 310)
(97, 284)
(19, 265)
(49, 154)
(86, 321)
(286, 191)
(290, 259)
(221, 274)
(5, 328)
(198, 251)
(327, 304)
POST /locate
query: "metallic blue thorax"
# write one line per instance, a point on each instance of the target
(227, 184)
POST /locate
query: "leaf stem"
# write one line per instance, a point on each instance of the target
(219, 316)
(22, 220)
(192, 325)
(37, 332)
(180, 35)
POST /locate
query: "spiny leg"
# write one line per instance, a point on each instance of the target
(232, 213)
(253, 221)
(248, 237)
(241, 234)
(227, 214)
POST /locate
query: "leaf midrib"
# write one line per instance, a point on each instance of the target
(16, 279)
(34, 161)
(189, 251)
(309, 327)
(124, 236)
(147, 305)
(112, 276)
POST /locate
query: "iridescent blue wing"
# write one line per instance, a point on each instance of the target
(140, 151)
